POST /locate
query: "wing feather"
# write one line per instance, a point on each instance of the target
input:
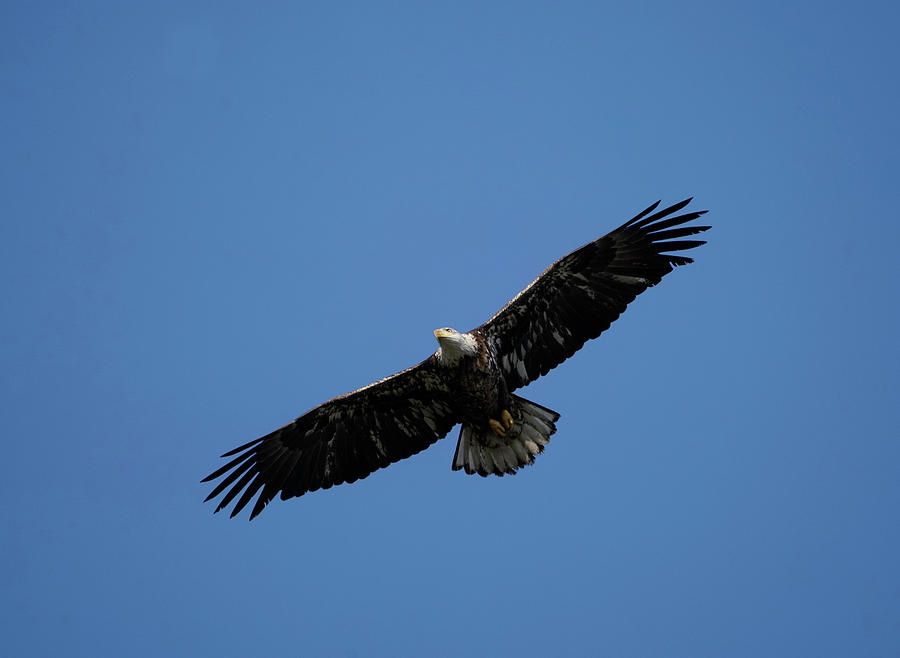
(583, 293)
(342, 440)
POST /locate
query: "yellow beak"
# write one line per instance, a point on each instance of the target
(441, 333)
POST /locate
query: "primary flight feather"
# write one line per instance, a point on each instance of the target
(470, 379)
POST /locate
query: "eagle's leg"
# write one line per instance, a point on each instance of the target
(500, 427)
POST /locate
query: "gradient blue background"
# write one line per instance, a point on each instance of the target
(216, 216)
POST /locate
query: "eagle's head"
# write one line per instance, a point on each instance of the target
(454, 345)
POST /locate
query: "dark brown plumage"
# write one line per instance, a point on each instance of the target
(470, 379)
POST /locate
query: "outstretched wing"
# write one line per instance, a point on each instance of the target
(342, 440)
(581, 294)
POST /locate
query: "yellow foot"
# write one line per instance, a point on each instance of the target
(500, 427)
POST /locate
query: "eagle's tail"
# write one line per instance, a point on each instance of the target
(481, 451)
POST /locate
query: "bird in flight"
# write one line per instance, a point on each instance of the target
(470, 379)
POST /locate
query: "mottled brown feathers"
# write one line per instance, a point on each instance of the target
(581, 294)
(572, 301)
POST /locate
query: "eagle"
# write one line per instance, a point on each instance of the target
(470, 380)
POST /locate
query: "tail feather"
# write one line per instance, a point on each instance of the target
(481, 451)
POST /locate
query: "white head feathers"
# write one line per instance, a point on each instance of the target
(454, 345)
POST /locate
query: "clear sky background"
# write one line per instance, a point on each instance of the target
(215, 216)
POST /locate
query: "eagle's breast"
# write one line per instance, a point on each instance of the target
(479, 386)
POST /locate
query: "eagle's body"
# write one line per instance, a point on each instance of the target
(469, 380)
(474, 377)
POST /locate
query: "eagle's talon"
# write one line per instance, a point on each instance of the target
(497, 427)
(507, 419)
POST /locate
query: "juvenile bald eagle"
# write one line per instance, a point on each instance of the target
(470, 379)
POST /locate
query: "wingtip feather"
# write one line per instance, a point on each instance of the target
(243, 447)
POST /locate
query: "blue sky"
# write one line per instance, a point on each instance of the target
(215, 216)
